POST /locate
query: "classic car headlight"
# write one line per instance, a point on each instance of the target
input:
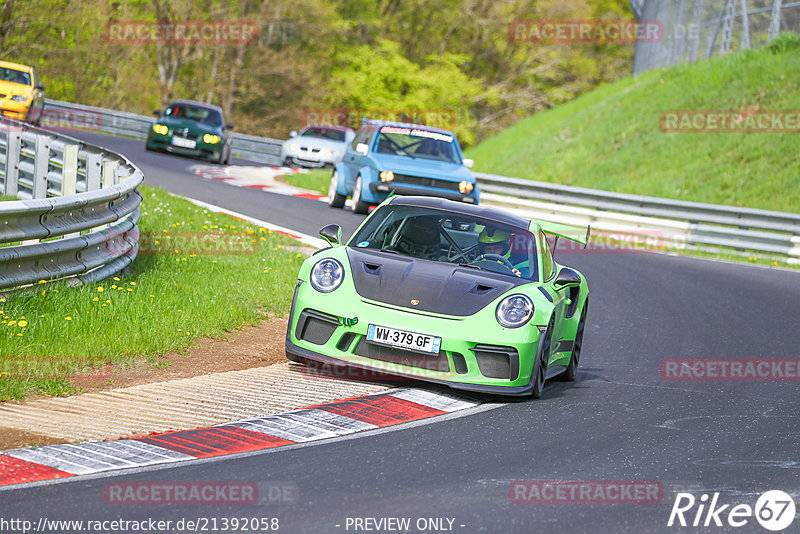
(160, 129)
(514, 311)
(465, 188)
(386, 176)
(328, 153)
(211, 139)
(327, 275)
(19, 98)
(292, 146)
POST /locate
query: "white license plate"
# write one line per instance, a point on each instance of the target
(392, 337)
(185, 143)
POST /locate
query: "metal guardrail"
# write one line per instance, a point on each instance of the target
(78, 210)
(67, 114)
(679, 223)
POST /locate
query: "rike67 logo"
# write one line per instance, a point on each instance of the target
(774, 510)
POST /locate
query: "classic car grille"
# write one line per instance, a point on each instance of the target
(190, 136)
(309, 149)
(428, 182)
(433, 362)
(497, 362)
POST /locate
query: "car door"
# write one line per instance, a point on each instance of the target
(353, 161)
(549, 271)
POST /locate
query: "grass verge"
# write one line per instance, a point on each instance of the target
(316, 180)
(199, 274)
(611, 138)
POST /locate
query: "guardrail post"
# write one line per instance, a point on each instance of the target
(41, 162)
(93, 163)
(109, 173)
(69, 172)
(12, 162)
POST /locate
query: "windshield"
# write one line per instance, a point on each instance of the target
(15, 76)
(208, 116)
(438, 235)
(324, 133)
(417, 143)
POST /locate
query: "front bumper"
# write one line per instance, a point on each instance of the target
(382, 190)
(18, 112)
(201, 149)
(473, 357)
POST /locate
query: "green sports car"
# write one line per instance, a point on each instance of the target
(193, 129)
(436, 290)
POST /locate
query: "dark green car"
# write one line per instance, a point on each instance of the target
(192, 129)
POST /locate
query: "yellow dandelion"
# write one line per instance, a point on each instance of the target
(23, 323)
(152, 296)
(263, 230)
(213, 261)
(116, 279)
(12, 323)
(114, 286)
(67, 318)
(95, 299)
(44, 293)
(19, 334)
(128, 289)
(2, 300)
(42, 281)
(132, 283)
(108, 301)
(250, 231)
(100, 289)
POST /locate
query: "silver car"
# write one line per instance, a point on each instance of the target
(316, 146)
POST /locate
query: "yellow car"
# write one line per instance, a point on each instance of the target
(21, 93)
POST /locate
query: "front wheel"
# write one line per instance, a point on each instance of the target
(359, 207)
(539, 371)
(335, 200)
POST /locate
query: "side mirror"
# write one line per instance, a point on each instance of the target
(39, 87)
(331, 233)
(157, 112)
(229, 126)
(468, 163)
(293, 133)
(567, 278)
(362, 149)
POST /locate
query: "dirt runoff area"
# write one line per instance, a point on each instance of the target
(251, 346)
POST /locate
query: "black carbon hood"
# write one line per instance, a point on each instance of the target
(439, 287)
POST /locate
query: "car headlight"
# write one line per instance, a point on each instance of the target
(160, 129)
(19, 98)
(328, 153)
(514, 311)
(386, 176)
(292, 146)
(465, 188)
(211, 139)
(326, 275)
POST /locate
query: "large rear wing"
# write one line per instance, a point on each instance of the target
(573, 233)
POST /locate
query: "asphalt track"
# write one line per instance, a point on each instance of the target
(621, 421)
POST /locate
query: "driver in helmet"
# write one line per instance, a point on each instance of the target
(497, 242)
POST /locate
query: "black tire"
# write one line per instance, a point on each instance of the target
(539, 371)
(227, 156)
(295, 358)
(359, 207)
(575, 358)
(335, 200)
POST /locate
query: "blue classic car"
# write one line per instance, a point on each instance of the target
(404, 159)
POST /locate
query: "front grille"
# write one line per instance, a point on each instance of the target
(427, 182)
(497, 362)
(309, 149)
(315, 327)
(432, 362)
(190, 136)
